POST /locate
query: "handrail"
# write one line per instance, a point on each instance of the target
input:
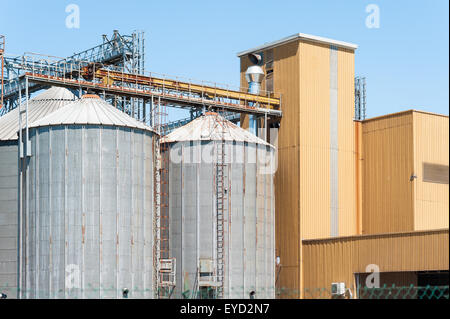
(37, 63)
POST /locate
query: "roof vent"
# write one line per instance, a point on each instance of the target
(254, 74)
(255, 58)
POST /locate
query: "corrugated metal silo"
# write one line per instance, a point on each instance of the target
(195, 209)
(43, 104)
(88, 226)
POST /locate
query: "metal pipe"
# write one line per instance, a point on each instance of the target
(2, 51)
(254, 76)
(27, 184)
(254, 88)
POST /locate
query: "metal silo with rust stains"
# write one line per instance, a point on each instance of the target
(46, 102)
(221, 211)
(87, 226)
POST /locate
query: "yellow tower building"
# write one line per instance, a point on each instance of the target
(316, 179)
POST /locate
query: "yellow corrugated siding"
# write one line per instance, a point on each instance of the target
(387, 168)
(337, 260)
(245, 63)
(346, 143)
(314, 122)
(302, 181)
(431, 145)
(394, 148)
(359, 175)
(286, 82)
(314, 139)
(286, 77)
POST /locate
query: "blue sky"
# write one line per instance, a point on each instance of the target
(405, 61)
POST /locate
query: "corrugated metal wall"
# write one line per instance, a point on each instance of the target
(337, 260)
(90, 213)
(346, 143)
(431, 145)
(314, 139)
(395, 196)
(8, 217)
(303, 179)
(388, 200)
(358, 175)
(287, 177)
(249, 230)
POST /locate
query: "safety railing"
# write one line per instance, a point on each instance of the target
(98, 75)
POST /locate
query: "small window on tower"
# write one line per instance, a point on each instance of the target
(435, 173)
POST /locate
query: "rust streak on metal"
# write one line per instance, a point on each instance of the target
(83, 229)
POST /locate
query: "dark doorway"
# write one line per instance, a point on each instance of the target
(433, 284)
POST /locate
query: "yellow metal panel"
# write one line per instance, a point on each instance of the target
(358, 175)
(314, 139)
(301, 73)
(346, 143)
(387, 167)
(431, 145)
(287, 220)
(395, 197)
(337, 260)
(286, 80)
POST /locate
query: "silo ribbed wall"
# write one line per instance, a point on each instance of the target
(8, 217)
(88, 227)
(41, 105)
(249, 221)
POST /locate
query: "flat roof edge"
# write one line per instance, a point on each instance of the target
(384, 116)
(299, 36)
(371, 236)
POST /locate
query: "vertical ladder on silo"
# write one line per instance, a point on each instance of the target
(221, 205)
(164, 281)
(157, 203)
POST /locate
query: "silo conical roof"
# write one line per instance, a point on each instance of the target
(41, 105)
(90, 110)
(56, 93)
(208, 127)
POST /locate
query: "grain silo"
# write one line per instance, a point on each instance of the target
(221, 210)
(41, 105)
(87, 226)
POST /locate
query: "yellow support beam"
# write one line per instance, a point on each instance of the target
(108, 77)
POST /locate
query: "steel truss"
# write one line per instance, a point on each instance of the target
(124, 51)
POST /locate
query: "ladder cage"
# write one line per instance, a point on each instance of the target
(221, 205)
